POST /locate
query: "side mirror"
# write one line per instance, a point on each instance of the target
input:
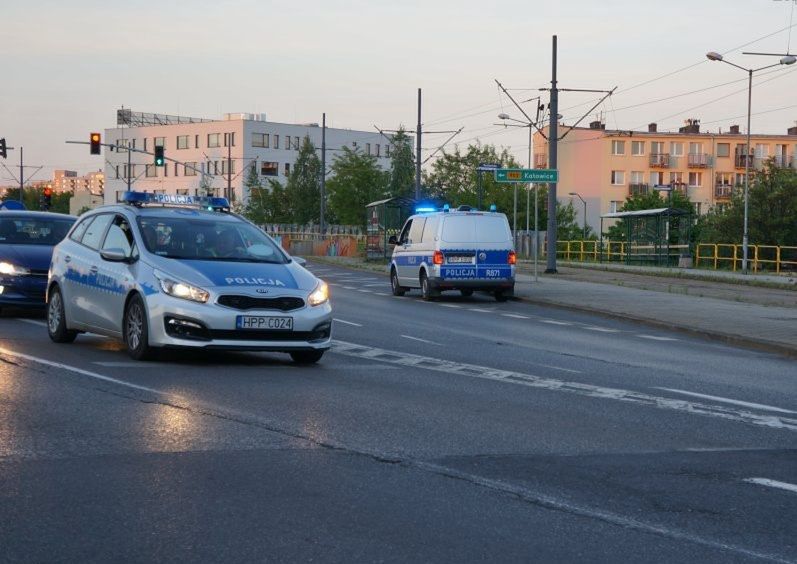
(115, 255)
(299, 260)
(393, 240)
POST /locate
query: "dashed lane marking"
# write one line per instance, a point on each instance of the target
(480, 310)
(515, 316)
(380, 294)
(420, 340)
(601, 329)
(451, 305)
(554, 322)
(347, 322)
(772, 484)
(366, 291)
(728, 400)
(349, 288)
(552, 384)
(657, 338)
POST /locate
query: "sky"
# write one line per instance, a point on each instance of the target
(67, 66)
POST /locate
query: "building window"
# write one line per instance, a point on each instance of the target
(725, 178)
(229, 139)
(676, 178)
(367, 148)
(213, 140)
(637, 177)
(656, 178)
(695, 179)
(182, 141)
(276, 141)
(117, 172)
(260, 140)
(387, 151)
(656, 147)
(287, 169)
(145, 143)
(296, 143)
(698, 207)
(175, 170)
(761, 150)
(615, 206)
(739, 178)
(189, 171)
(121, 145)
(377, 151)
(695, 148)
(196, 141)
(160, 142)
(269, 169)
(182, 191)
(723, 149)
(676, 149)
(618, 147)
(354, 145)
(228, 167)
(637, 148)
(618, 177)
(288, 142)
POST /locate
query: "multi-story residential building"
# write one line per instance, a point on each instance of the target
(220, 151)
(607, 166)
(69, 181)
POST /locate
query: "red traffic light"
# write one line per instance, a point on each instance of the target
(95, 139)
(48, 192)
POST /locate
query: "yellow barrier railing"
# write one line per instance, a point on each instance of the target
(719, 256)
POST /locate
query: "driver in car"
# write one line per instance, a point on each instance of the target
(228, 245)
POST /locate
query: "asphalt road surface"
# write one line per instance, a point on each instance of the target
(452, 431)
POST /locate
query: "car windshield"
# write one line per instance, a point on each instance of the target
(21, 230)
(208, 239)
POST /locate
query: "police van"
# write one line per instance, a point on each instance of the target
(462, 249)
(161, 270)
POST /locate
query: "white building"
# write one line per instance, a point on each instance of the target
(222, 150)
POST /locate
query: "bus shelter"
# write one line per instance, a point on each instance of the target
(656, 237)
(383, 219)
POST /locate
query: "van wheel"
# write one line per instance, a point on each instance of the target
(56, 319)
(426, 289)
(500, 296)
(466, 293)
(394, 284)
(136, 330)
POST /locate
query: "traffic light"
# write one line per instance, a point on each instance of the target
(95, 138)
(160, 160)
(3, 150)
(48, 197)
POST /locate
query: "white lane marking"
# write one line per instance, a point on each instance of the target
(375, 284)
(131, 364)
(349, 288)
(480, 310)
(554, 322)
(772, 484)
(366, 291)
(451, 305)
(34, 322)
(562, 369)
(421, 340)
(83, 372)
(601, 329)
(657, 338)
(729, 400)
(380, 294)
(333, 283)
(515, 316)
(588, 390)
(347, 322)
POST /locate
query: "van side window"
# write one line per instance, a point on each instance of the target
(430, 230)
(405, 233)
(416, 231)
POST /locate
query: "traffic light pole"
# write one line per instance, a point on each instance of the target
(21, 176)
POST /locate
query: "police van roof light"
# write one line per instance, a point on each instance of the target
(141, 198)
(493, 208)
(425, 209)
(446, 208)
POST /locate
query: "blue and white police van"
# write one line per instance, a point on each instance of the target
(462, 249)
(166, 271)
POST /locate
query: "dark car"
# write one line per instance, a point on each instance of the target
(27, 239)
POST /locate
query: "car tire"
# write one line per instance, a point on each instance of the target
(307, 357)
(426, 289)
(136, 330)
(56, 319)
(500, 296)
(466, 293)
(397, 289)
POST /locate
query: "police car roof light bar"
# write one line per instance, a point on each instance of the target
(425, 209)
(493, 208)
(139, 199)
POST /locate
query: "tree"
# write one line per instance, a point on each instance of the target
(358, 180)
(302, 189)
(567, 226)
(402, 166)
(205, 186)
(32, 198)
(648, 201)
(772, 211)
(267, 204)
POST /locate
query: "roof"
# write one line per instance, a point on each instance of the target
(35, 214)
(399, 200)
(647, 213)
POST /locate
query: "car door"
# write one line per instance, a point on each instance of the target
(415, 254)
(401, 252)
(115, 278)
(86, 295)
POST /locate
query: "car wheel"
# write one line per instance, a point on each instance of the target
(426, 288)
(136, 330)
(397, 289)
(306, 357)
(56, 319)
(466, 292)
(500, 296)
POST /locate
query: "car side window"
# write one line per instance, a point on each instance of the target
(120, 236)
(405, 233)
(430, 230)
(96, 230)
(80, 230)
(416, 231)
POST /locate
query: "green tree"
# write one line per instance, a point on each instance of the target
(567, 226)
(772, 211)
(302, 189)
(357, 181)
(648, 201)
(32, 198)
(205, 186)
(402, 166)
(267, 204)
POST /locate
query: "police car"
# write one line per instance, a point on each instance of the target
(460, 249)
(27, 239)
(161, 270)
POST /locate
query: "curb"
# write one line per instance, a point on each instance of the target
(731, 339)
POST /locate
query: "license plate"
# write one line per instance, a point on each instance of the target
(264, 322)
(459, 260)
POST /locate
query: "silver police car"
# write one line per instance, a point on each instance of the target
(162, 271)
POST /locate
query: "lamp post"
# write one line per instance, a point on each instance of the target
(787, 60)
(583, 201)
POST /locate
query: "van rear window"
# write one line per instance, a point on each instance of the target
(469, 228)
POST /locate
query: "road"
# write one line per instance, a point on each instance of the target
(455, 430)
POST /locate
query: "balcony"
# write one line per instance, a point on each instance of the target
(723, 191)
(698, 160)
(638, 189)
(740, 161)
(679, 187)
(540, 160)
(660, 160)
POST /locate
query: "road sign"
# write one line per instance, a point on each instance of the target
(526, 175)
(484, 167)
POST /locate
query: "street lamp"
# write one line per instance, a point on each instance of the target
(787, 60)
(583, 201)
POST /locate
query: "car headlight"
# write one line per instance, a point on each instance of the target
(10, 269)
(181, 289)
(320, 295)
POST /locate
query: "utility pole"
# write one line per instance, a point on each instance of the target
(553, 140)
(418, 151)
(129, 165)
(229, 166)
(322, 223)
(21, 176)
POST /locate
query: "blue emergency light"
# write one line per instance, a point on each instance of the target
(493, 208)
(142, 198)
(425, 209)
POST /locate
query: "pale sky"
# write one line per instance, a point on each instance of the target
(68, 65)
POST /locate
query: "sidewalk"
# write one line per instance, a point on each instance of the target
(737, 313)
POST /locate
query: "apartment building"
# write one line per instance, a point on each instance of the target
(69, 181)
(606, 166)
(220, 151)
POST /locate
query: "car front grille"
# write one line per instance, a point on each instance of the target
(285, 303)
